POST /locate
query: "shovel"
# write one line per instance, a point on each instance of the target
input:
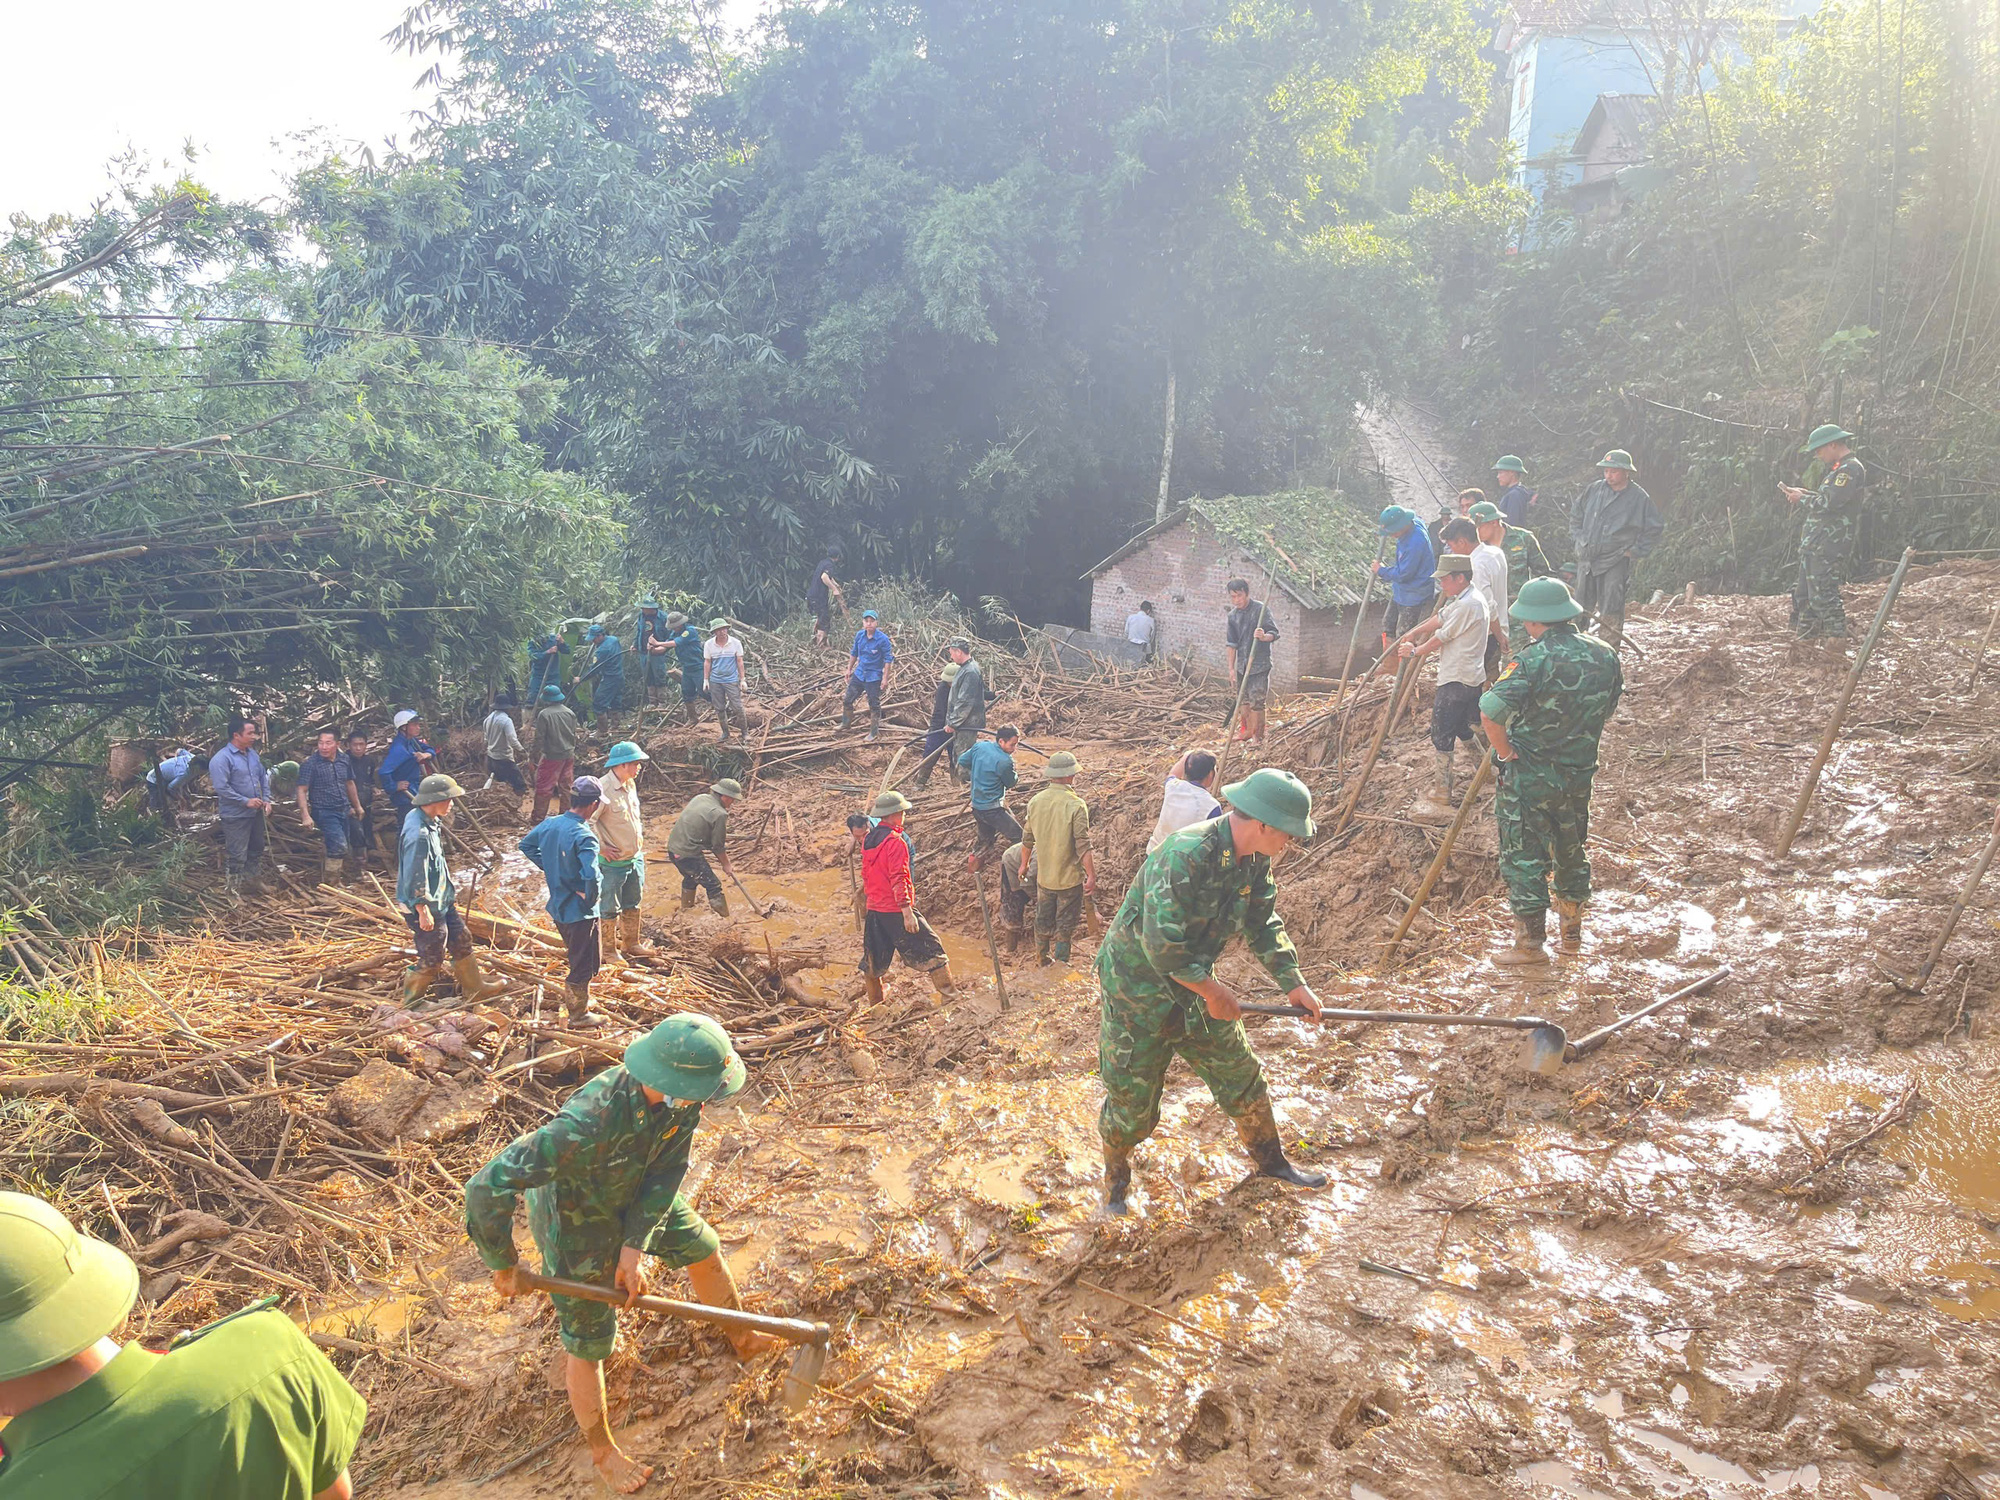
(812, 1338)
(1547, 1042)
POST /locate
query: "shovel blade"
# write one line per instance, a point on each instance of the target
(803, 1376)
(1546, 1048)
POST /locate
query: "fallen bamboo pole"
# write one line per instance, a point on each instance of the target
(1360, 614)
(1984, 641)
(1916, 984)
(1839, 716)
(1437, 863)
(1404, 676)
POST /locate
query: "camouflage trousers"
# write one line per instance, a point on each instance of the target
(581, 1246)
(1146, 1020)
(1824, 548)
(1543, 813)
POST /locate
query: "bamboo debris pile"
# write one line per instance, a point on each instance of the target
(222, 1132)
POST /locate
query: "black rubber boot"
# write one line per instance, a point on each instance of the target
(1259, 1130)
(1117, 1181)
(847, 716)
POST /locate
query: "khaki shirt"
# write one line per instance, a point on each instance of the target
(621, 836)
(1056, 831)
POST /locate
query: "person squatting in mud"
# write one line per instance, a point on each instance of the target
(603, 1187)
(1156, 971)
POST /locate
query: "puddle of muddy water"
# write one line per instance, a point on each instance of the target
(386, 1314)
(1551, 1474)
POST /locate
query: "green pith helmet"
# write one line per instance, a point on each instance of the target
(1454, 562)
(1545, 600)
(888, 804)
(1826, 432)
(551, 693)
(948, 672)
(623, 754)
(675, 619)
(435, 789)
(1394, 518)
(1618, 458)
(60, 1291)
(687, 1057)
(1483, 512)
(1275, 798)
(718, 623)
(1509, 463)
(1062, 763)
(649, 602)
(729, 786)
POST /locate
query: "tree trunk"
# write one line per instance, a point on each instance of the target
(1166, 449)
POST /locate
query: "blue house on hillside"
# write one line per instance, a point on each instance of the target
(1559, 57)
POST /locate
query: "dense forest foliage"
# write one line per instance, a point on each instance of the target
(636, 307)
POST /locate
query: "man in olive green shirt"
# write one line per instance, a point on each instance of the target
(245, 1409)
(1056, 833)
(702, 829)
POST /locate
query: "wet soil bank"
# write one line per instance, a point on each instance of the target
(1748, 1249)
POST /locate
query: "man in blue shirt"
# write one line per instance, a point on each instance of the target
(989, 766)
(167, 783)
(606, 673)
(361, 769)
(406, 762)
(565, 846)
(544, 663)
(687, 643)
(327, 800)
(242, 799)
(867, 672)
(1411, 576)
(429, 901)
(1510, 478)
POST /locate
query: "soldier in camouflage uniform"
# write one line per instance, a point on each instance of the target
(1826, 541)
(1200, 888)
(603, 1180)
(1543, 718)
(1525, 560)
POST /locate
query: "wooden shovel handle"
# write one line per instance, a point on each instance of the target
(791, 1330)
(1408, 1017)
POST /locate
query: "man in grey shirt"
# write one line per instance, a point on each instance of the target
(503, 747)
(965, 708)
(1613, 524)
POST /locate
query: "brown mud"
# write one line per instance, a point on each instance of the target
(1698, 1263)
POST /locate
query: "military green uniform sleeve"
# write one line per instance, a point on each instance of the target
(340, 1413)
(1264, 931)
(495, 1188)
(1170, 890)
(1536, 559)
(1516, 687)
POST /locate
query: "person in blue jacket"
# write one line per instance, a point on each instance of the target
(1411, 576)
(606, 673)
(405, 764)
(686, 641)
(545, 663)
(565, 846)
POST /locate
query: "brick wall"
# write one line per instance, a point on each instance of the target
(1185, 572)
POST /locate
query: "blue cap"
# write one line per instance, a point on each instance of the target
(869, 614)
(593, 633)
(623, 754)
(551, 693)
(586, 789)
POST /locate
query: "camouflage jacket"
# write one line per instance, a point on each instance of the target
(1553, 699)
(1838, 498)
(613, 1159)
(1525, 558)
(1191, 896)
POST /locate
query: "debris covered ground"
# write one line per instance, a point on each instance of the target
(1747, 1249)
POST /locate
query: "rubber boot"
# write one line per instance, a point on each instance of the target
(474, 986)
(874, 725)
(576, 1001)
(1436, 802)
(847, 716)
(1259, 1130)
(629, 936)
(1062, 951)
(1530, 934)
(687, 898)
(350, 866)
(1569, 925)
(1117, 1181)
(417, 984)
(607, 942)
(1041, 950)
(719, 904)
(320, 877)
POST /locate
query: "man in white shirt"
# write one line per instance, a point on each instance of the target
(1489, 576)
(1458, 634)
(1140, 625)
(1189, 796)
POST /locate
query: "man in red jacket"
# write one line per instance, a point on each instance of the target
(892, 926)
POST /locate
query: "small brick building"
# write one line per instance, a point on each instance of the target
(1320, 542)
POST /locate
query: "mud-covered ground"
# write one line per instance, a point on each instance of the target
(1746, 1249)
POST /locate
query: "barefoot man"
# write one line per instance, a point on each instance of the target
(603, 1180)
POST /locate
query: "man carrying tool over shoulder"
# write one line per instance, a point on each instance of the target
(603, 1181)
(1156, 968)
(1543, 718)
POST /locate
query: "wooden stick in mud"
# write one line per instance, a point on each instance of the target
(992, 947)
(1839, 715)
(1403, 679)
(1354, 636)
(1437, 863)
(1984, 641)
(1916, 983)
